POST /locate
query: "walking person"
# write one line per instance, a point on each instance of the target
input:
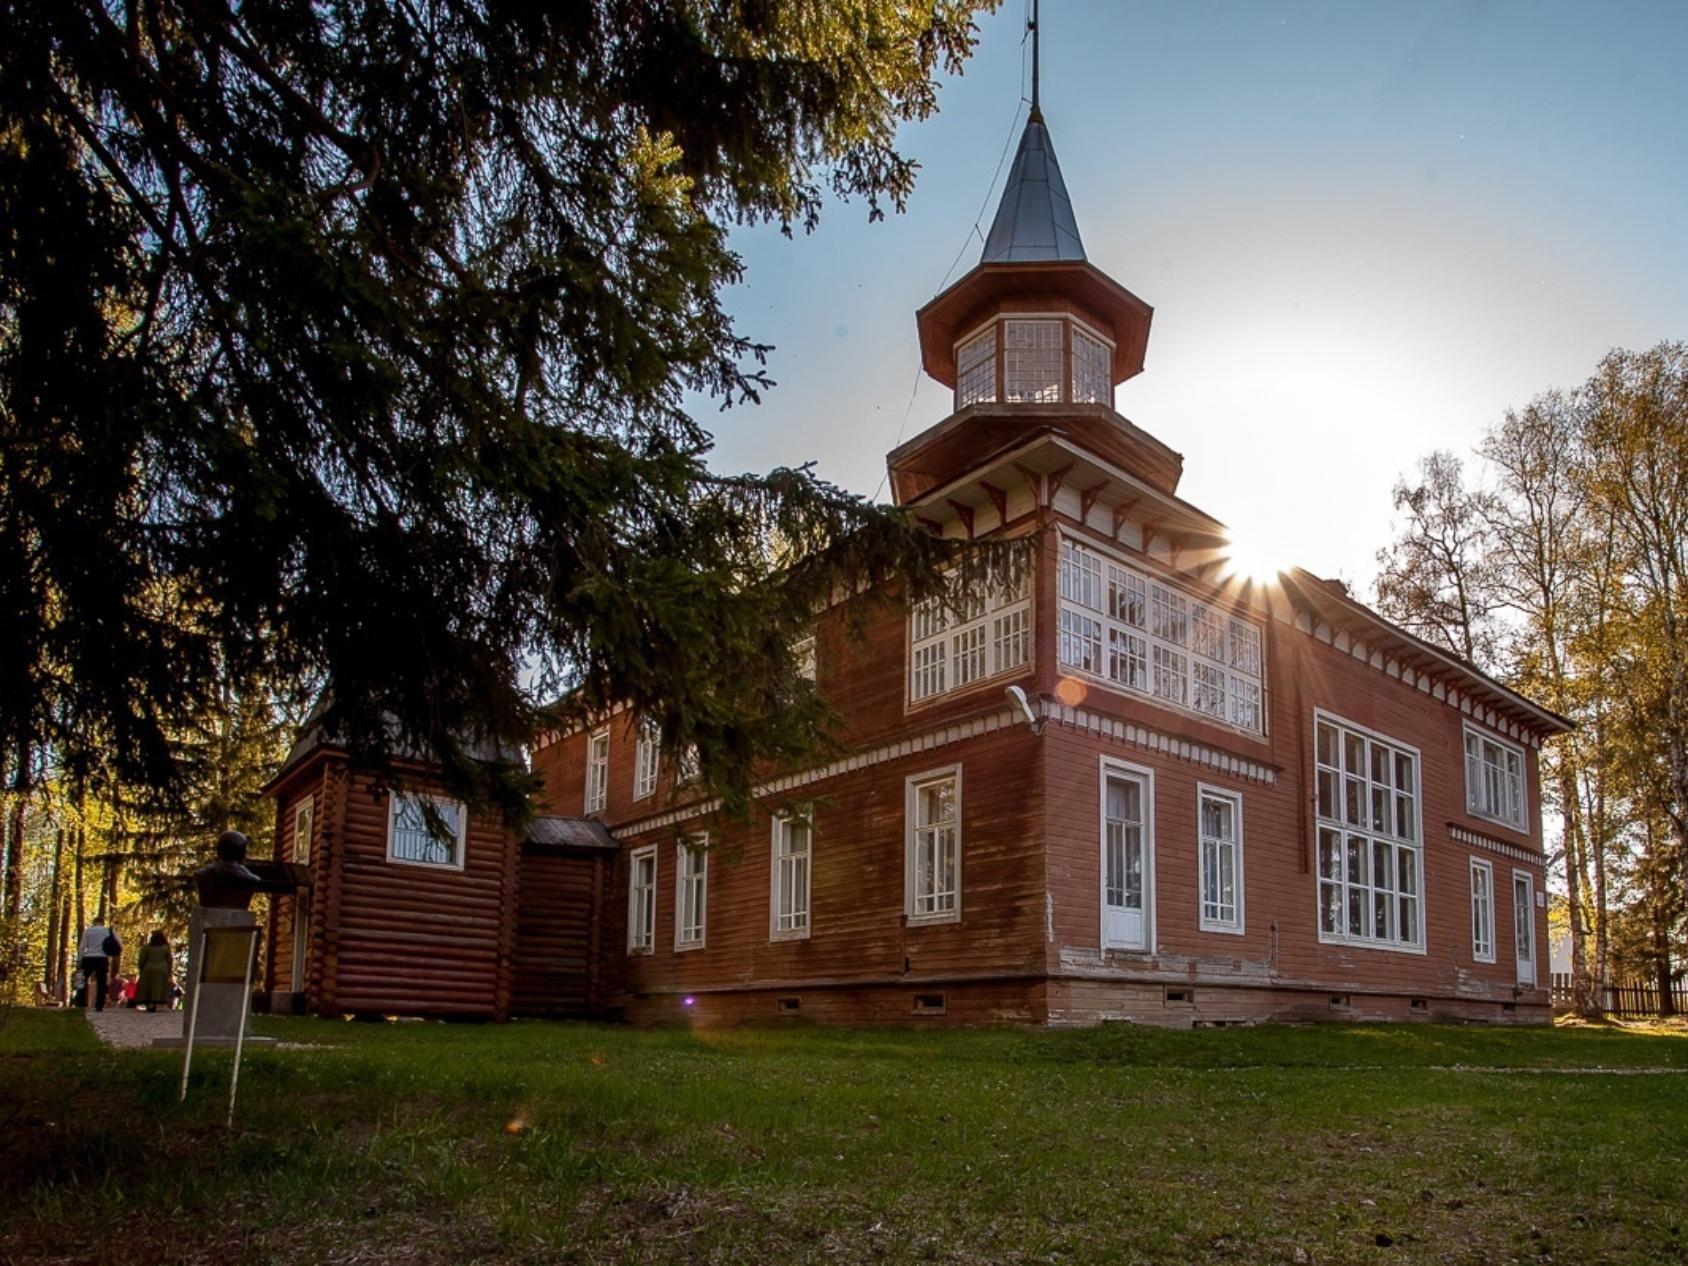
(99, 950)
(154, 970)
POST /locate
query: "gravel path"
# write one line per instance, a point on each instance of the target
(123, 1026)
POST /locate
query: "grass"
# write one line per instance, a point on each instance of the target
(577, 1143)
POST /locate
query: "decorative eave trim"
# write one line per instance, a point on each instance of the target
(939, 736)
(1138, 736)
(1475, 839)
(1149, 740)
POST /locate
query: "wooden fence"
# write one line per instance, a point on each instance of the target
(1629, 1000)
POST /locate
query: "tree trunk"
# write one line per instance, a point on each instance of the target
(1661, 967)
(1602, 924)
(55, 951)
(81, 889)
(1583, 997)
(61, 986)
(14, 850)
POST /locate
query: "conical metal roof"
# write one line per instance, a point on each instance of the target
(1034, 221)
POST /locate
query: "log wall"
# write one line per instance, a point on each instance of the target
(560, 937)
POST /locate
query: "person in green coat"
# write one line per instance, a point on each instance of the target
(155, 968)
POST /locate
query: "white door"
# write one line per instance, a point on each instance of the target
(301, 940)
(1524, 926)
(1125, 845)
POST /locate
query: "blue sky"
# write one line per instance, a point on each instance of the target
(1366, 230)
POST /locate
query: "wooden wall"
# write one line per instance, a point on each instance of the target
(390, 938)
(858, 933)
(561, 937)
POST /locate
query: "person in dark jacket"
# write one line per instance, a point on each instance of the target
(155, 968)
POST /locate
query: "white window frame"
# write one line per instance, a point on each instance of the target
(647, 761)
(778, 862)
(1530, 921)
(964, 372)
(1232, 926)
(598, 770)
(1112, 765)
(1475, 797)
(1033, 354)
(1081, 330)
(803, 651)
(1394, 841)
(911, 808)
(696, 851)
(637, 921)
(443, 803)
(304, 822)
(1132, 630)
(936, 640)
(1483, 919)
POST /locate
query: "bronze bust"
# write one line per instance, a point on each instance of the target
(226, 884)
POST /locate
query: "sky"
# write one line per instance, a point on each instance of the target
(1366, 229)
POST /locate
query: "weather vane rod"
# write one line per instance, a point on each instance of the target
(1036, 110)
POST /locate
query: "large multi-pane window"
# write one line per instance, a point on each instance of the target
(691, 893)
(426, 830)
(1482, 911)
(790, 896)
(641, 901)
(647, 760)
(1031, 360)
(934, 846)
(1043, 360)
(975, 369)
(1138, 633)
(1494, 778)
(1220, 820)
(598, 771)
(1370, 850)
(1093, 379)
(990, 634)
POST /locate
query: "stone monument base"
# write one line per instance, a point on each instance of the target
(220, 1006)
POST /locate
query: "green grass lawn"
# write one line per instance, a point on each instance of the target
(551, 1142)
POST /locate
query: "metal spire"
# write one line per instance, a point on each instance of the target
(1034, 221)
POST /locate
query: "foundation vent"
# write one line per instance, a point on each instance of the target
(928, 1004)
(785, 1005)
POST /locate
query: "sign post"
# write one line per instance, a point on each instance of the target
(225, 958)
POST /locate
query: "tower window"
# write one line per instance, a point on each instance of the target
(1092, 366)
(975, 369)
(1031, 360)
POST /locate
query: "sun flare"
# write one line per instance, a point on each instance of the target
(1252, 556)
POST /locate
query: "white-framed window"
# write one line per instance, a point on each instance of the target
(1123, 627)
(691, 892)
(1482, 911)
(933, 868)
(1127, 862)
(948, 650)
(803, 651)
(303, 816)
(1494, 778)
(598, 771)
(688, 768)
(788, 915)
(1031, 359)
(426, 830)
(975, 368)
(641, 900)
(1219, 816)
(1093, 378)
(1370, 852)
(647, 760)
(1524, 925)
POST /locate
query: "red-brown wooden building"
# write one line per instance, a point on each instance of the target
(1141, 787)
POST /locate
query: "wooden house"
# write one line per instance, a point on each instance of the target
(1141, 787)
